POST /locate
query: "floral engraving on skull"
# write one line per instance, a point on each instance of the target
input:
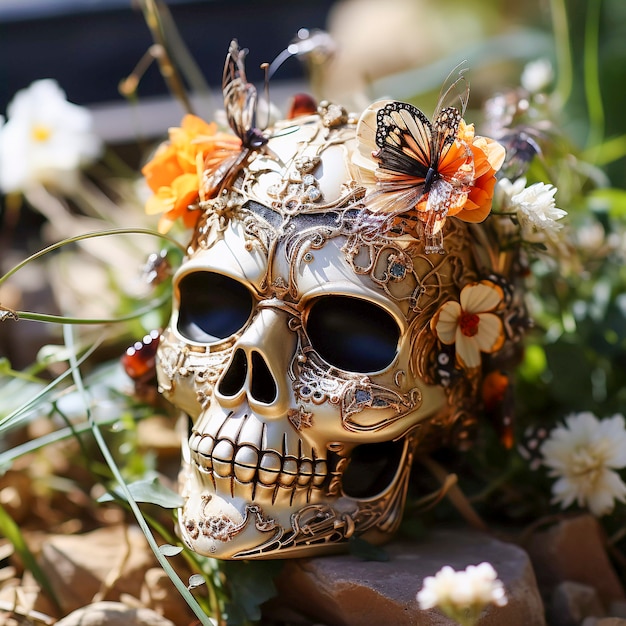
(221, 527)
(300, 418)
(316, 382)
(299, 188)
(179, 360)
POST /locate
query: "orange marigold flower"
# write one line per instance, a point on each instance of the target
(174, 173)
(472, 161)
(488, 158)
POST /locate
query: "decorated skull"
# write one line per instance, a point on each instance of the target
(338, 310)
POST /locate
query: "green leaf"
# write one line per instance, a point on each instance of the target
(366, 551)
(196, 580)
(168, 549)
(534, 363)
(251, 583)
(150, 492)
(608, 200)
(571, 382)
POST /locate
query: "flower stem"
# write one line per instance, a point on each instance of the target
(61, 319)
(563, 50)
(104, 233)
(593, 93)
(168, 71)
(108, 457)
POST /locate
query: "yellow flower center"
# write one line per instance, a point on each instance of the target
(469, 323)
(41, 132)
(587, 466)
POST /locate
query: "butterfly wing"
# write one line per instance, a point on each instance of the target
(398, 136)
(445, 130)
(240, 96)
(404, 140)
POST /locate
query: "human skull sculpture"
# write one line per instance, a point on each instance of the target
(310, 344)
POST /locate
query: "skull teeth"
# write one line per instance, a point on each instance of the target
(248, 464)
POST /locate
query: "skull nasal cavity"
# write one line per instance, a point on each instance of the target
(262, 384)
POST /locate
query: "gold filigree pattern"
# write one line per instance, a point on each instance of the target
(180, 361)
(317, 382)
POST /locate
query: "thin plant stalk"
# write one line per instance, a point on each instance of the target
(103, 233)
(593, 93)
(106, 453)
(563, 51)
(168, 71)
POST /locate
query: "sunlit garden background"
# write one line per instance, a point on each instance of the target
(85, 442)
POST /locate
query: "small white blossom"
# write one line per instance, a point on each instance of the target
(582, 455)
(537, 75)
(45, 139)
(533, 206)
(462, 595)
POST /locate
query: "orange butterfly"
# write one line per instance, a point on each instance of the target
(424, 170)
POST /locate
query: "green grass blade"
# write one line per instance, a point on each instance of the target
(203, 618)
(12, 532)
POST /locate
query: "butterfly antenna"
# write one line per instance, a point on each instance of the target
(266, 91)
(279, 60)
(451, 92)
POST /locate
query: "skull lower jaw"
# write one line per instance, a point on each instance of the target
(237, 510)
(226, 519)
(244, 484)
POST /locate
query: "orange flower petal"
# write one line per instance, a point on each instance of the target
(162, 169)
(163, 200)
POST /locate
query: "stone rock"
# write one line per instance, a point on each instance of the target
(100, 564)
(617, 609)
(343, 590)
(113, 614)
(159, 594)
(26, 596)
(572, 602)
(574, 550)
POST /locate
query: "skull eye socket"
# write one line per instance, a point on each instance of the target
(352, 334)
(212, 306)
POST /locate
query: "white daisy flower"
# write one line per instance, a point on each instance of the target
(537, 75)
(45, 139)
(583, 455)
(462, 595)
(533, 206)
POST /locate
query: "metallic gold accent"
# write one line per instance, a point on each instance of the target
(317, 382)
(222, 528)
(8, 314)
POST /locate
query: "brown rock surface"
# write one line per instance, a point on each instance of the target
(346, 591)
(159, 594)
(574, 550)
(94, 566)
(113, 614)
(572, 602)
